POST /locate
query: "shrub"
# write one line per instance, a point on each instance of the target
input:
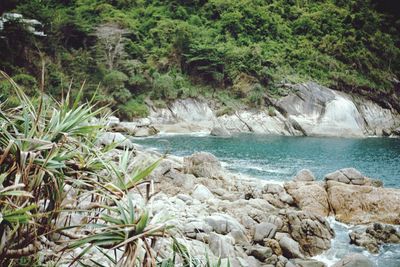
(134, 108)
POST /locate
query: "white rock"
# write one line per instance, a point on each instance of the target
(202, 193)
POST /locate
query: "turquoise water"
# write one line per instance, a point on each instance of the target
(279, 157)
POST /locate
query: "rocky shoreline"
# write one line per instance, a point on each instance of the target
(251, 222)
(307, 110)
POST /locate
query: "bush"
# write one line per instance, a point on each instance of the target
(115, 79)
(134, 108)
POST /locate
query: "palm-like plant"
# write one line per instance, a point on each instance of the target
(48, 149)
(43, 148)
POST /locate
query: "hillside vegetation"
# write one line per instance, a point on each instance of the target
(128, 51)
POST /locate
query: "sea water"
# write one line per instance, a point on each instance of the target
(279, 158)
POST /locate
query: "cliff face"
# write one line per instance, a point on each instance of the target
(309, 109)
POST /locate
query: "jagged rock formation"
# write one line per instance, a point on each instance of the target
(308, 109)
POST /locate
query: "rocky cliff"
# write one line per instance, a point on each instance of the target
(308, 109)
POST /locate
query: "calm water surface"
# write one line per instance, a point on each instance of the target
(280, 158)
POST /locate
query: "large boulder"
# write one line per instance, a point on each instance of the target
(364, 204)
(318, 110)
(264, 230)
(347, 176)
(309, 196)
(354, 260)
(290, 248)
(202, 164)
(311, 231)
(374, 236)
(224, 224)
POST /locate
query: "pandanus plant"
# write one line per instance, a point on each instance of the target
(47, 149)
(47, 146)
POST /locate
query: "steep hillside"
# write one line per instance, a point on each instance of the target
(127, 51)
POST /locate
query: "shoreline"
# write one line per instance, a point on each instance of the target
(243, 178)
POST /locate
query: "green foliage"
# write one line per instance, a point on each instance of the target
(132, 109)
(47, 161)
(149, 47)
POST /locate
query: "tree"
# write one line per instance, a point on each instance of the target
(111, 43)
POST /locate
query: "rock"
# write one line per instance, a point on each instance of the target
(259, 252)
(146, 131)
(321, 111)
(194, 227)
(337, 176)
(374, 236)
(312, 232)
(354, 260)
(304, 175)
(125, 127)
(202, 193)
(221, 246)
(309, 196)
(220, 131)
(264, 230)
(308, 263)
(347, 176)
(224, 224)
(364, 204)
(112, 121)
(274, 245)
(108, 138)
(396, 131)
(286, 198)
(202, 164)
(185, 181)
(272, 189)
(290, 248)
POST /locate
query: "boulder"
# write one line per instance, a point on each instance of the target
(264, 230)
(112, 121)
(274, 245)
(259, 252)
(202, 164)
(312, 232)
(290, 248)
(309, 196)
(195, 227)
(347, 176)
(146, 131)
(354, 260)
(220, 131)
(108, 138)
(185, 182)
(221, 245)
(224, 224)
(374, 236)
(202, 193)
(321, 111)
(364, 204)
(304, 175)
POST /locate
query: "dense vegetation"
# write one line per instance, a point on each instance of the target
(64, 199)
(130, 51)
